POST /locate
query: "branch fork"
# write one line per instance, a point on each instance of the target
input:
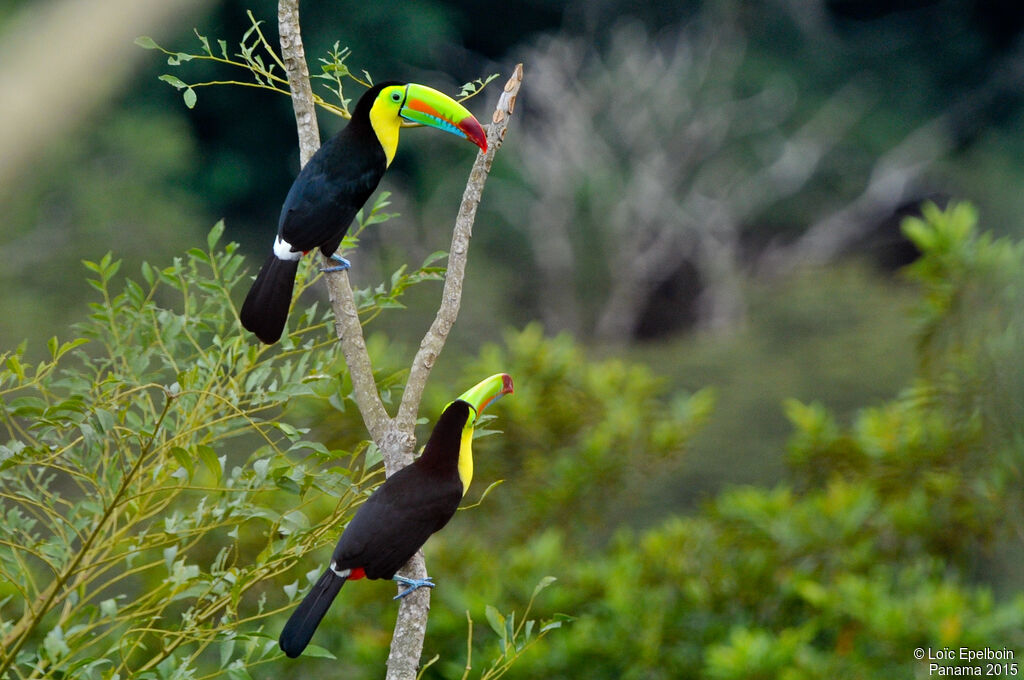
(395, 435)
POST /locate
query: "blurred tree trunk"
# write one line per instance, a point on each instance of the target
(898, 176)
(650, 153)
(87, 48)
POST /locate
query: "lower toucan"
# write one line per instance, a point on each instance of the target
(336, 182)
(399, 517)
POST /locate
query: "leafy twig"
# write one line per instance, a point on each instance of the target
(257, 57)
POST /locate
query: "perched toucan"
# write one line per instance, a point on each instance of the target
(399, 517)
(335, 184)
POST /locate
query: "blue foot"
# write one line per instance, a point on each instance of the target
(345, 264)
(413, 583)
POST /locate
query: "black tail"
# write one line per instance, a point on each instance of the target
(306, 617)
(265, 309)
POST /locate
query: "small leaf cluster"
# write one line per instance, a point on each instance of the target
(371, 301)
(474, 87)
(258, 60)
(334, 70)
(513, 640)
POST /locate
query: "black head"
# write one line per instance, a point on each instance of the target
(446, 439)
(365, 102)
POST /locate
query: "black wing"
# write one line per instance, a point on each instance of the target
(329, 191)
(396, 521)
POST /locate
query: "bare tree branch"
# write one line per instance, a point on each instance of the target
(357, 358)
(394, 436)
(451, 296)
(294, 55)
(346, 316)
(411, 626)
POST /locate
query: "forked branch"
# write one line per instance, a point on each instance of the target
(395, 436)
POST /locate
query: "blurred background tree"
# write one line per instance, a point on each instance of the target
(706, 198)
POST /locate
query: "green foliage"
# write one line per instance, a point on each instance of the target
(838, 337)
(971, 319)
(582, 437)
(155, 502)
(513, 640)
(873, 548)
(125, 182)
(474, 87)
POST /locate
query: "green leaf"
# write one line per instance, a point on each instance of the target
(550, 625)
(289, 431)
(556, 622)
(147, 273)
(291, 590)
(373, 455)
(210, 460)
(174, 81)
(288, 484)
(435, 256)
(544, 583)
(215, 233)
(146, 43)
(204, 42)
(495, 620)
(169, 554)
(108, 607)
(510, 628)
(317, 651)
(55, 645)
(189, 96)
(918, 231)
(199, 254)
(184, 459)
(293, 521)
(227, 649)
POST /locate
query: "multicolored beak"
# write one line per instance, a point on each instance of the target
(487, 390)
(427, 106)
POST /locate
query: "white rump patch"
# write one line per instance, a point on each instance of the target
(340, 574)
(283, 250)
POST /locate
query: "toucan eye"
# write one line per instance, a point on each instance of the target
(396, 96)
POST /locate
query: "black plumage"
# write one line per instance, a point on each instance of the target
(393, 523)
(321, 204)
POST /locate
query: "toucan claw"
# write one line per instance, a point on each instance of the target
(345, 264)
(413, 583)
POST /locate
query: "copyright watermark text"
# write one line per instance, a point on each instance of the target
(969, 661)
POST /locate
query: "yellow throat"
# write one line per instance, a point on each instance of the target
(466, 458)
(386, 123)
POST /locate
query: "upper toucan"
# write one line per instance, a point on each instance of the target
(399, 517)
(335, 184)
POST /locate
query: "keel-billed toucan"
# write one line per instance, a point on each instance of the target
(401, 514)
(335, 184)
